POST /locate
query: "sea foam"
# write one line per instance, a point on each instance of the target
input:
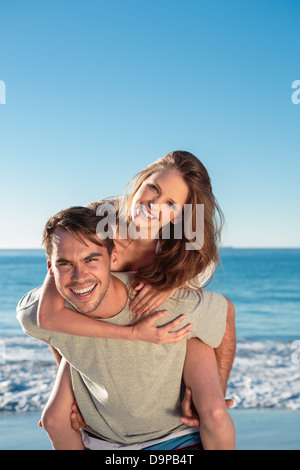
(264, 375)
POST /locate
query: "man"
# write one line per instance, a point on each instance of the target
(129, 392)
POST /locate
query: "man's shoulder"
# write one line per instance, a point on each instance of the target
(190, 297)
(125, 277)
(194, 296)
(27, 315)
(206, 310)
(29, 299)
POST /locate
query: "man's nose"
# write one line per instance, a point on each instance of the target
(79, 273)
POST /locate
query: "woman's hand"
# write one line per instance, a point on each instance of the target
(146, 329)
(148, 299)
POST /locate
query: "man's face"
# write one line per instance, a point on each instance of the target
(81, 272)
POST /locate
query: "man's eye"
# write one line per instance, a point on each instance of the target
(92, 260)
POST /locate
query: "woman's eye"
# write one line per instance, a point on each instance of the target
(174, 206)
(153, 187)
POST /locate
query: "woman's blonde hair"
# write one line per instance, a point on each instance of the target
(174, 265)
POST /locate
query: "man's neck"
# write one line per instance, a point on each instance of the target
(114, 300)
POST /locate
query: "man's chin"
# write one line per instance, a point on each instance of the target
(84, 305)
(85, 308)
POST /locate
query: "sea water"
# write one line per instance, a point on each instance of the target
(263, 284)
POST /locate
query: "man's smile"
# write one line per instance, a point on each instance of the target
(83, 292)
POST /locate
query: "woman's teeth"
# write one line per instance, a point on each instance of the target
(146, 213)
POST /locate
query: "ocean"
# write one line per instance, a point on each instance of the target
(263, 284)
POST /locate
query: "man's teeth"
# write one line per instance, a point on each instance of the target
(146, 213)
(86, 290)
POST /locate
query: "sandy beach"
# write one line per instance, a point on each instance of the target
(264, 429)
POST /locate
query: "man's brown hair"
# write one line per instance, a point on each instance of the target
(79, 222)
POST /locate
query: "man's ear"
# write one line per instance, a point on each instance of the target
(49, 267)
(114, 259)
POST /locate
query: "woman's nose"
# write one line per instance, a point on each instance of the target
(155, 200)
(156, 208)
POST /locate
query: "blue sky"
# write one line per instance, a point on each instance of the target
(96, 90)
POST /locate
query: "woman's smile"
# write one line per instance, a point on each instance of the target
(145, 213)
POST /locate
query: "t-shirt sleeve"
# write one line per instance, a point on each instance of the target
(209, 318)
(27, 316)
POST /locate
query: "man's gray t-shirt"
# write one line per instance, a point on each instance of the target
(129, 391)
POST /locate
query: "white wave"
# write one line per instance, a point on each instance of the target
(27, 374)
(264, 375)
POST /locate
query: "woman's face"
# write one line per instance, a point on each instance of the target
(159, 200)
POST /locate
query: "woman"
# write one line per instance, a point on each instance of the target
(161, 260)
(161, 264)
